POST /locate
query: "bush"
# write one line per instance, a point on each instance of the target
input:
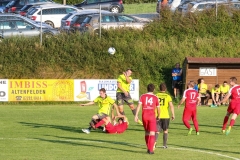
(151, 52)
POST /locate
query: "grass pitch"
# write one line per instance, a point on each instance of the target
(49, 132)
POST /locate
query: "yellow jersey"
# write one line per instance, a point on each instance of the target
(224, 89)
(202, 88)
(164, 100)
(104, 104)
(215, 90)
(126, 86)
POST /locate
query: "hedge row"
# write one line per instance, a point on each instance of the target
(151, 52)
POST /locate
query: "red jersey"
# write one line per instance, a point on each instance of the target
(149, 102)
(191, 96)
(121, 127)
(235, 94)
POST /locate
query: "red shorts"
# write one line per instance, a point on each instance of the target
(188, 114)
(149, 124)
(234, 108)
(110, 128)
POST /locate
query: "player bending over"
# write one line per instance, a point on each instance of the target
(104, 103)
(234, 105)
(149, 103)
(191, 99)
(165, 101)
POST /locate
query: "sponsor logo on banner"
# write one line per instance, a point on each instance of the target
(93, 87)
(40, 90)
(3, 90)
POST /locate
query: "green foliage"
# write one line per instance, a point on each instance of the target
(151, 52)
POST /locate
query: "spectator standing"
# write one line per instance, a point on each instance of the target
(176, 79)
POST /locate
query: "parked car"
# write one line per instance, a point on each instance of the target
(16, 25)
(16, 5)
(51, 14)
(115, 6)
(3, 4)
(198, 6)
(23, 11)
(73, 20)
(91, 22)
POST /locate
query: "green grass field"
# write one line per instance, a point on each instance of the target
(49, 132)
(140, 8)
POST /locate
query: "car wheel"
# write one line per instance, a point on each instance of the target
(50, 23)
(115, 9)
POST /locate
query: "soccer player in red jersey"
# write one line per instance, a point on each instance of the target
(234, 105)
(119, 127)
(149, 103)
(191, 99)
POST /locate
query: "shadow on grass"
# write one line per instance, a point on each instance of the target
(204, 149)
(65, 128)
(98, 143)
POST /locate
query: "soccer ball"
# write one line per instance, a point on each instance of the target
(111, 50)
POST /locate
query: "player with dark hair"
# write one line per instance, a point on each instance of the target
(234, 105)
(104, 103)
(163, 120)
(123, 92)
(191, 99)
(224, 88)
(149, 103)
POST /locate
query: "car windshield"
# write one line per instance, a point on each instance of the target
(87, 19)
(10, 3)
(26, 7)
(4, 3)
(32, 11)
(67, 16)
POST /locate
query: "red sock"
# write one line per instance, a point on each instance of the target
(146, 139)
(100, 123)
(232, 122)
(151, 142)
(225, 122)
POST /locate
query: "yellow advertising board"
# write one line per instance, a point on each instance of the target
(40, 90)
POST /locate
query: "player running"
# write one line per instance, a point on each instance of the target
(191, 98)
(123, 92)
(234, 105)
(104, 103)
(149, 102)
(165, 101)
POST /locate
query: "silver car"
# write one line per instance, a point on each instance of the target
(16, 25)
(91, 22)
(73, 20)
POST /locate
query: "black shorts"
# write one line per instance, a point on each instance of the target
(121, 98)
(176, 84)
(101, 115)
(163, 124)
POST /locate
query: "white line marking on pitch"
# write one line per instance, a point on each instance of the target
(86, 141)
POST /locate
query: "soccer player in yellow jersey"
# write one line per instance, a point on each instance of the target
(215, 94)
(163, 120)
(123, 92)
(224, 88)
(104, 104)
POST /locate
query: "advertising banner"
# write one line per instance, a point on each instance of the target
(60, 89)
(88, 89)
(40, 90)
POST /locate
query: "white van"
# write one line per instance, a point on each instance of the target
(51, 14)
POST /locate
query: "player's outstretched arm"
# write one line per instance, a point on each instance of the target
(137, 111)
(172, 110)
(87, 104)
(181, 102)
(225, 98)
